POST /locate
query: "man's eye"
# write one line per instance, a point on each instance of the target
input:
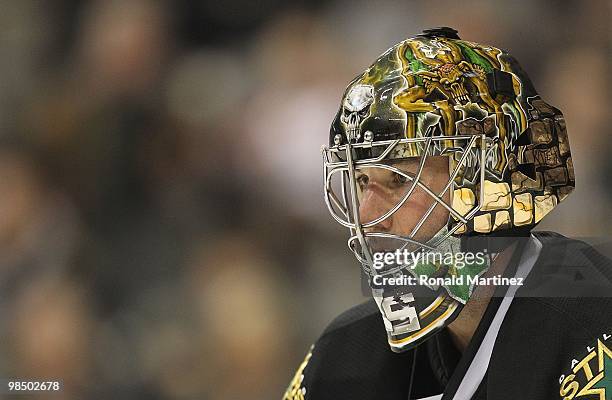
(362, 180)
(400, 179)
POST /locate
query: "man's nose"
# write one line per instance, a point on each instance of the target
(372, 206)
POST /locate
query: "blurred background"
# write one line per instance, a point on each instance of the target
(162, 229)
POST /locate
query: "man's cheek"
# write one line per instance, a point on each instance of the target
(419, 202)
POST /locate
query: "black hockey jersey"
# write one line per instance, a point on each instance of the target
(555, 342)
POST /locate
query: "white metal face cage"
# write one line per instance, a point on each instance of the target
(467, 156)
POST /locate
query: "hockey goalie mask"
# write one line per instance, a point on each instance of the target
(433, 106)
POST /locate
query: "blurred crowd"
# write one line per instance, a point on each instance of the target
(162, 229)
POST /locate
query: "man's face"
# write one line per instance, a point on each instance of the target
(381, 189)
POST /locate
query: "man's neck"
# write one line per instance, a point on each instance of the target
(463, 328)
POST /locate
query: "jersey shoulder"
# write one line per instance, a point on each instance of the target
(572, 281)
(559, 321)
(568, 268)
(352, 359)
